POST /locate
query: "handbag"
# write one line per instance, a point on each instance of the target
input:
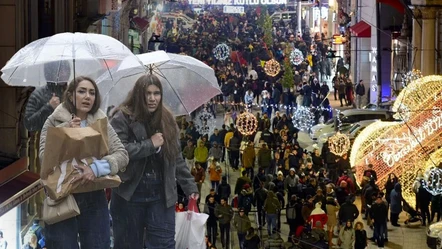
(60, 210)
(190, 228)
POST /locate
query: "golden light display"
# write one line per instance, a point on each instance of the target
(339, 144)
(402, 148)
(247, 123)
(272, 67)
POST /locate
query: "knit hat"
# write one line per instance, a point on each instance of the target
(280, 173)
(292, 169)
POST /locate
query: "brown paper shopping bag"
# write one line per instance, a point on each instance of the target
(68, 147)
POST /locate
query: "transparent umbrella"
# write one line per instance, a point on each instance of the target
(187, 82)
(61, 57)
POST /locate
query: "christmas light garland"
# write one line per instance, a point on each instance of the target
(303, 118)
(221, 51)
(272, 67)
(296, 57)
(205, 123)
(246, 123)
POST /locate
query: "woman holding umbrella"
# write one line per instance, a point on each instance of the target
(92, 225)
(146, 198)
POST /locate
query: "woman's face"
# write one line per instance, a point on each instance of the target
(348, 224)
(153, 98)
(84, 96)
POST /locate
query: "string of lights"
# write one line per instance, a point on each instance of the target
(296, 57)
(303, 118)
(221, 52)
(247, 123)
(279, 106)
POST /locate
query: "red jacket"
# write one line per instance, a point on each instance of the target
(318, 215)
(349, 181)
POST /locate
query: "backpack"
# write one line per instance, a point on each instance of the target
(31, 231)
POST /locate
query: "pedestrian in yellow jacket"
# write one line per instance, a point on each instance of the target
(201, 154)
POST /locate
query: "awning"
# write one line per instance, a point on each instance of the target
(361, 29)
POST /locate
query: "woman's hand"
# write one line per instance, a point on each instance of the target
(86, 175)
(157, 140)
(75, 122)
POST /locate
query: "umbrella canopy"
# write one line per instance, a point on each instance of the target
(61, 57)
(187, 82)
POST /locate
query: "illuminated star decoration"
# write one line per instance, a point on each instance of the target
(205, 123)
(339, 144)
(296, 57)
(411, 76)
(272, 67)
(303, 119)
(247, 123)
(221, 51)
(433, 180)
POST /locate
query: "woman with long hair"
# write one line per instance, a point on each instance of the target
(148, 193)
(347, 236)
(91, 227)
(389, 186)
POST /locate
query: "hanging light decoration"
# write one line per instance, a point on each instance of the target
(246, 123)
(205, 123)
(221, 51)
(433, 180)
(296, 57)
(339, 144)
(303, 119)
(272, 68)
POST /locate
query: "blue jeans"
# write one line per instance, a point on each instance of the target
(92, 225)
(271, 222)
(130, 218)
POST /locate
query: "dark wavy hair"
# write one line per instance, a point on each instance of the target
(70, 90)
(161, 120)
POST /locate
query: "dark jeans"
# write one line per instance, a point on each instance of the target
(234, 159)
(92, 226)
(261, 215)
(215, 185)
(379, 232)
(250, 173)
(241, 239)
(212, 230)
(425, 212)
(225, 235)
(131, 218)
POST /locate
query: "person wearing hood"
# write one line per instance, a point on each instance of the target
(252, 240)
(224, 189)
(245, 198)
(260, 177)
(242, 224)
(275, 241)
(291, 183)
(271, 207)
(396, 204)
(318, 215)
(216, 152)
(201, 154)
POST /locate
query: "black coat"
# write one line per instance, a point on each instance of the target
(38, 108)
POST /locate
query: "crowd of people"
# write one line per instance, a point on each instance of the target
(316, 189)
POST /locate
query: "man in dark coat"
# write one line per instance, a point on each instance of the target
(45, 99)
